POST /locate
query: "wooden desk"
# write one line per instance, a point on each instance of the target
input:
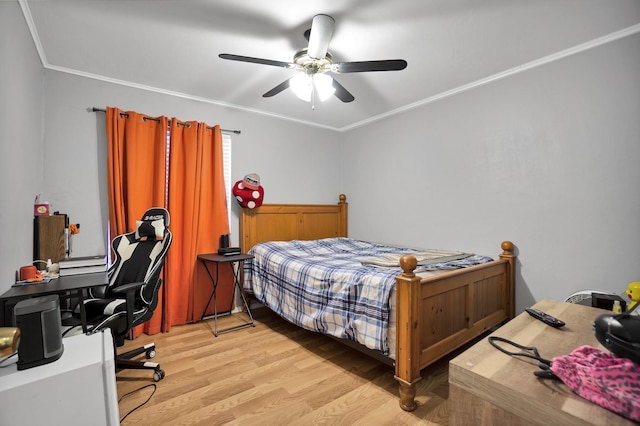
(73, 284)
(488, 387)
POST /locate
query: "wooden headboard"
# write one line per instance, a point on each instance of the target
(285, 222)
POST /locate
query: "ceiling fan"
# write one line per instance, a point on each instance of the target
(314, 62)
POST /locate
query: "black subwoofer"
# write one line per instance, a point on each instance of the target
(40, 331)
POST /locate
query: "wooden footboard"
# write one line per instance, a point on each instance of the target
(438, 314)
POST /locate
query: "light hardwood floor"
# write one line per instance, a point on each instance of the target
(273, 374)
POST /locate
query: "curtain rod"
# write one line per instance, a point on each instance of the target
(96, 109)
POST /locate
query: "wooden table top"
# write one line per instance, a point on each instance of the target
(224, 258)
(57, 285)
(508, 382)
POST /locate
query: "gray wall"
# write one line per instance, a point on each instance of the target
(547, 158)
(21, 128)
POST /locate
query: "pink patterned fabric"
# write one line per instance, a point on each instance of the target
(602, 378)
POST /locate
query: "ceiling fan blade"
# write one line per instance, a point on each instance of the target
(342, 93)
(320, 36)
(279, 88)
(254, 60)
(366, 66)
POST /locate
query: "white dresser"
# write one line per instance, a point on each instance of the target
(77, 389)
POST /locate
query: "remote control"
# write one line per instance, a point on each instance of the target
(544, 317)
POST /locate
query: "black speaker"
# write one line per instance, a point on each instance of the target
(224, 240)
(40, 331)
(620, 334)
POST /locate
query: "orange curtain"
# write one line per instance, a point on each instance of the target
(136, 175)
(195, 197)
(197, 204)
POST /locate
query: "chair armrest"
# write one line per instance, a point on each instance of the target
(126, 288)
(129, 291)
(98, 291)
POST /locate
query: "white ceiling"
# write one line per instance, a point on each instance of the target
(172, 46)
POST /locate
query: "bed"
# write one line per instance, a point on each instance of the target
(433, 313)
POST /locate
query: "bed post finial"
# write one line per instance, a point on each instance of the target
(507, 247)
(343, 216)
(408, 263)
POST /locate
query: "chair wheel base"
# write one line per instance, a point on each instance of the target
(158, 375)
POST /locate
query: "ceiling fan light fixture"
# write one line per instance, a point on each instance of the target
(324, 86)
(301, 85)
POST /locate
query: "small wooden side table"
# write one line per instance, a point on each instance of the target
(488, 387)
(230, 260)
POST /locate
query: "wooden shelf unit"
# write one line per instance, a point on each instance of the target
(48, 238)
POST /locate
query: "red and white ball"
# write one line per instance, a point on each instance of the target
(248, 197)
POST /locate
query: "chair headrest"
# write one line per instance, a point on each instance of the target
(153, 226)
(156, 213)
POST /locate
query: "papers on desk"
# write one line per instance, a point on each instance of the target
(25, 282)
(82, 265)
(75, 262)
(65, 272)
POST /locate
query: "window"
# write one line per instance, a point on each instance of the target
(226, 154)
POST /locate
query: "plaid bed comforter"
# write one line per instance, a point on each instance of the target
(323, 286)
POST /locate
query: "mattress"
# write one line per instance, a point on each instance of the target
(337, 286)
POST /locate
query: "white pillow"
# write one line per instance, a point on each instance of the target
(150, 229)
